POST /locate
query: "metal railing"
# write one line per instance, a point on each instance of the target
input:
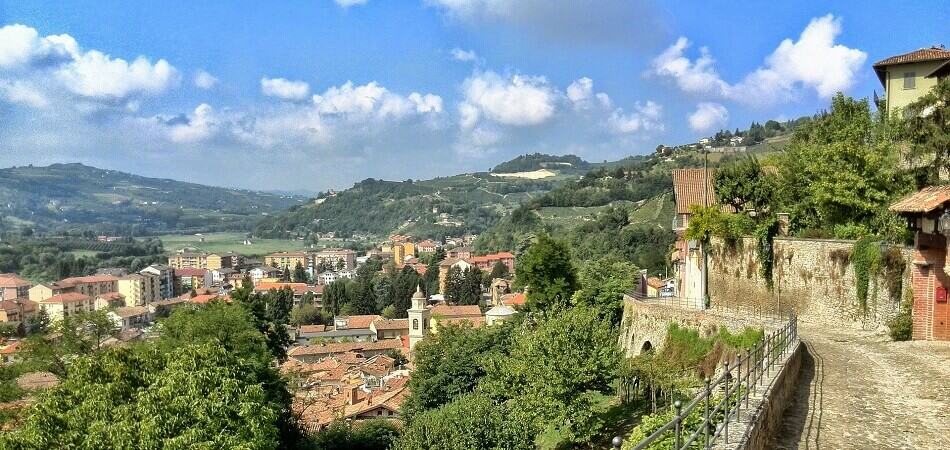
(746, 375)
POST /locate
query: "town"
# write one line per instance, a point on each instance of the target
(369, 225)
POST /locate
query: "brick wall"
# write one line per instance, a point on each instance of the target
(812, 277)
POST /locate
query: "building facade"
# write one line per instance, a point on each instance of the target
(909, 76)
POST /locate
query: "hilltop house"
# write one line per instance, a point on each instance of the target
(12, 286)
(691, 187)
(909, 76)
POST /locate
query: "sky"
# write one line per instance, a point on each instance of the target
(318, 94)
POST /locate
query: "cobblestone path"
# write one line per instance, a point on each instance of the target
(859, 390)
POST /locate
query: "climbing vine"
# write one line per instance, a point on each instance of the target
(866, 259)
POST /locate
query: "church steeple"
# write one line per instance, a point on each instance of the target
(418, 318)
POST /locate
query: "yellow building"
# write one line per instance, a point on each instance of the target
(399, 253)
(912, 75)
(410, 249)
(61, 305)
(139, 289)
(188, 260)
(289, 260)
(91, 286)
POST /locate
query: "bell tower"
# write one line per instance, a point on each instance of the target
(418, 318)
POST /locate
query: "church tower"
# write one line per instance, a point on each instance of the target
(418, 318)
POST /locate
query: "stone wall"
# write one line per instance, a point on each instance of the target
(811, 277)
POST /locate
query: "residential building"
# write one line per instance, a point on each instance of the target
(62, 305)
(188, 260)
(109, 300)
(446, 265)
(909, 76)
(287, 260)
(653, 286)
(299, 290)
(263, 272)
(460, 253)
(427, 247)
(390, 328)
(89, 286)
(313, 353)
(139, 288)
(12, 286)
(17, 310)
(488, 262)
(445, 314)
(219, 276)
(333, 257)
(691, 188)
(166, 279)
(188, 279)
(399, 254)
(225, 260)
(129, 317)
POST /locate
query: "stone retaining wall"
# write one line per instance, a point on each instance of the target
(812, 277)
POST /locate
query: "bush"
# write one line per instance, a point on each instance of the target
(901, 327)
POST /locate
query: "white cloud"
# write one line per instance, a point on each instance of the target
(708, 116)
(38, 70)
(371, 99)
(814, 61)
(205, 80)
(581, 93)
(464, 55)
(200, 126)
(645, 117)
(285, 89)
(516, 101)
(349, 3)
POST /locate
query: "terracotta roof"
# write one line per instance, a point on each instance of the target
(344, 347)
(688, 188)
(313, 328)
(10, 349)
(89, 279)
(206, 298)
(919, 55)
(515, 299)
(111, 296)
(475, 321)
(449, 311)
(288, 255)
(655, 282)
(923, 201)
(360, 321)
(16, 304)
(298, 288)
(68, 297)
(37, 380)
(130, 311)
(191, 272)
(10, 280)
(391, 324)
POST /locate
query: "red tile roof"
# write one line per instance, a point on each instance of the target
(313, 328)
(450, 312)
(360, 321)
(689, 186)
(923, 201)
(89, 279)
(10, 280)
(516, 299)
(298, 288)
(344, 347)
(475, 321)
(191, 272)
(391, 324)
(207, 298)
(919, 55)
(68, 297)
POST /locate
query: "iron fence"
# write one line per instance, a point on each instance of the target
(722, 400)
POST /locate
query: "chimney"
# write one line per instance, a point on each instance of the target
(350, 394)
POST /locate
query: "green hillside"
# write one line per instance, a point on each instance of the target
(78, 197)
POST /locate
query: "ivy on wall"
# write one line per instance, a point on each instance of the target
(871, 261)
(765, 234)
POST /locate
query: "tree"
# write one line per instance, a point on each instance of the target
(499, 270)
(603, 284)
(300, 275)
(547, 273)
(744, 184)
(197, 395)
(285, 274)
(470, 422)
(926, 125)
(368, 435)
(841, 169)
(306, 314)
(449, 364)
(335, 295)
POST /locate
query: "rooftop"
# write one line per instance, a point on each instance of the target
(935, 53)
(923, 201)
(68, 297)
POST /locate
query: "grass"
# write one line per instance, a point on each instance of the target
(230, 242)
(84, 253)
(656, 211)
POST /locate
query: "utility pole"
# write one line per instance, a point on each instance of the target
(702, 247)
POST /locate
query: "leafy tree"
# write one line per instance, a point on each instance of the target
(841, 169)
(499, 270)
(307, 314)
(198, 395)
(285, 274)
(229, 326)
(547, 273)
(335, 295)
(744, 184)
(449, 364)
(926, 125)
(603, 284)
(368, 435)
(469, 422)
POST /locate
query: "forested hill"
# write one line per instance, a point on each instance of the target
(538, 161)
(80, 197)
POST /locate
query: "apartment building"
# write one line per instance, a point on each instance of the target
(282, 260)
(90, 286)
(12, 286)
(140, 288)
(166, 279)
(62, 305)
(333, 256)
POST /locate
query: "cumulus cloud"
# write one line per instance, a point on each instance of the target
(708, 116)
(565, 21)
(464, 55)
(581, 93)
(205, 80)
(517, 100)
(285, 89)
(813, 62)
(36, 70)
(644, 117)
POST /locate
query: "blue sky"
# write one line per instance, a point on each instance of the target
(314, 94)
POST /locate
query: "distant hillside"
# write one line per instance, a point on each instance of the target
(80, 197)
(538, 161)
(460, 204)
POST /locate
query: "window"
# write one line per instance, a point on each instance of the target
(415, 324)
(910, 80)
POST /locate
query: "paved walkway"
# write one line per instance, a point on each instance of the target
(861, 391)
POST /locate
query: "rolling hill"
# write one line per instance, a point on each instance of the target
(79, 197)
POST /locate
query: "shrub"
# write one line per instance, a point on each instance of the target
(901, 327)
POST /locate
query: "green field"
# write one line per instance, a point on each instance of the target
(230, 242)
(83, 253)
